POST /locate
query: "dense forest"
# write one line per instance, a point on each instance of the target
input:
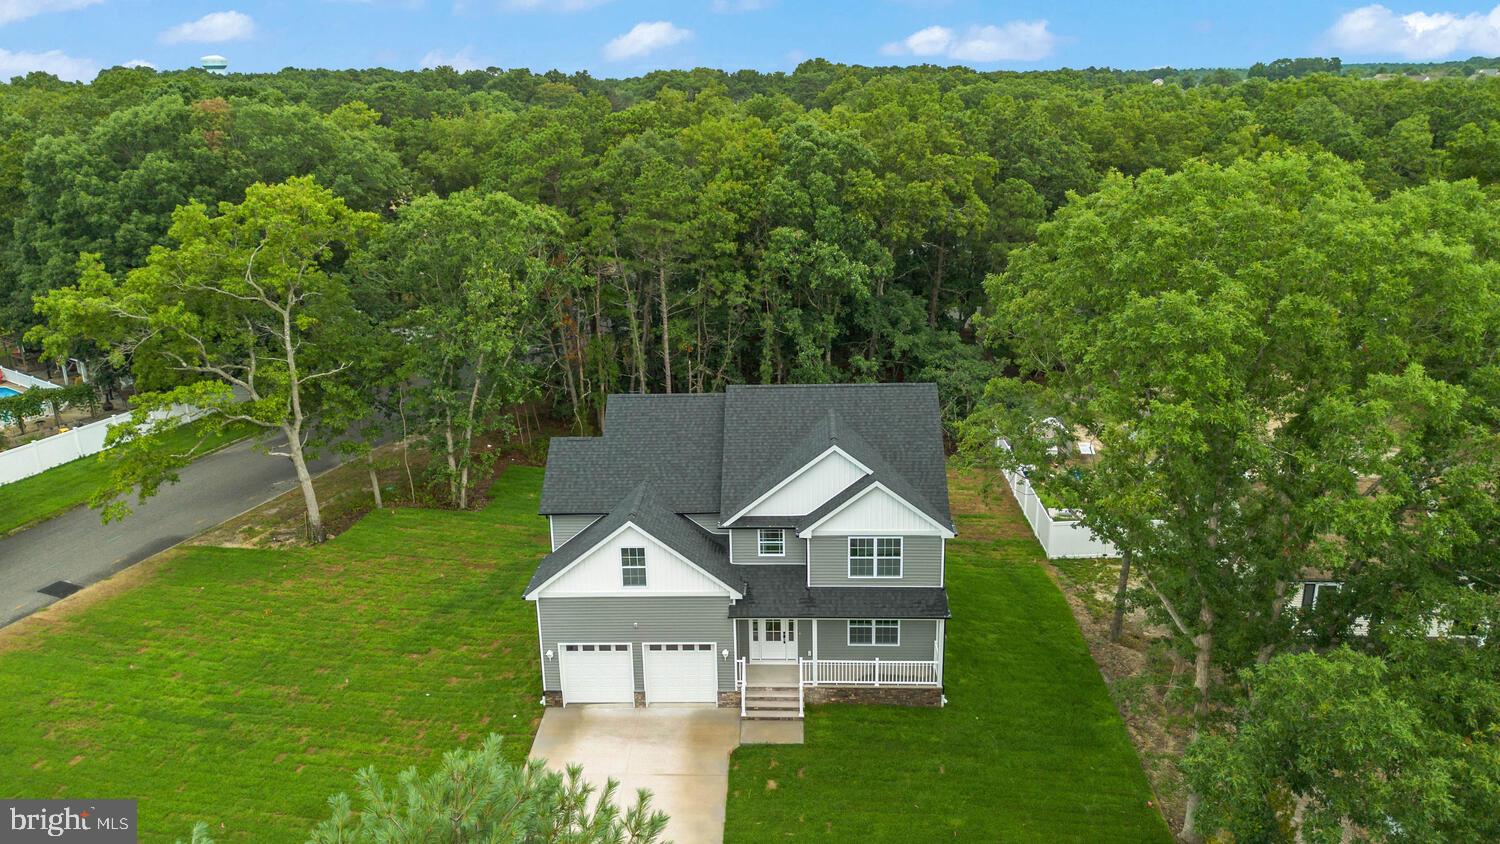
(834, 223)
(1274, 296)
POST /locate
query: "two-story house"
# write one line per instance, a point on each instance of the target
(751, 548)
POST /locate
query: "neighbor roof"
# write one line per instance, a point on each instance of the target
(643, 508)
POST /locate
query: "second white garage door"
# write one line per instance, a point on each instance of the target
(681, 673)
(597, 673)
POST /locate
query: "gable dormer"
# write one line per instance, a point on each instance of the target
(806, 489)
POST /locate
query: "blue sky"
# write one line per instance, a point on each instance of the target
(74, 38)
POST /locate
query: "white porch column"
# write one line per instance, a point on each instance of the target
(815, 651)
(937, 648)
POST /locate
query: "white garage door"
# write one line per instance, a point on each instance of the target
(681, 673)
(597, 673)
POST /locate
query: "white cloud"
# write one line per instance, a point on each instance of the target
(462, 61)
(730, 6)
(139, 63)
(924, 42)
(1416, 35)
(645, 38)
(1015, 41)
(55, 62)
(212, 28)
(15, 10)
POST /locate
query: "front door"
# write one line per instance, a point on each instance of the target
(773, 639)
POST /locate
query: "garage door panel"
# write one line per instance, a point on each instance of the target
(597, 672)
(677, 672)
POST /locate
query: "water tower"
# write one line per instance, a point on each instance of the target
(215, 64)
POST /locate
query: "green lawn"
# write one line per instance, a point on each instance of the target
(1029, 748)
(51, 493)
(243, 686)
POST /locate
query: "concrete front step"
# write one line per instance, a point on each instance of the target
(767, 692)
(771, 715)
(762, 703)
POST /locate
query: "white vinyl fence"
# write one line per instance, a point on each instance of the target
(1060, 533)
(25, 380)
(43, 454)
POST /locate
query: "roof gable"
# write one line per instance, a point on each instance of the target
(807, 487)
(642, 510)
(597, 570)
(896, 426)
(869, 505)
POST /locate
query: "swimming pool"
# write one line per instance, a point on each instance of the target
(6, 392)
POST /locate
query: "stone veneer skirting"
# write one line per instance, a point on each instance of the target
(887, 695)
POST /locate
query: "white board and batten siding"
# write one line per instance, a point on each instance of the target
(565, 527)
(598, 571)
(820, 480)
(876, 510)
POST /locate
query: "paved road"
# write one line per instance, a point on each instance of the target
(75, 547)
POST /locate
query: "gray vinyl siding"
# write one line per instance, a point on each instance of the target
(660, 619)
(917, 637)
(567, 527)
(707, 521)
(921, 563)
(745, 546)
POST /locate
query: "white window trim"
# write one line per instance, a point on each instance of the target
(760, 542)
(875, 559)
(642, 567)
(874, 622)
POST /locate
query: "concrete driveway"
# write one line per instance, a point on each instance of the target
(681, 754)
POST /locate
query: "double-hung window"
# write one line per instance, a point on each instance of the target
(633, 566)
(874, 631)
(772, 542)
(874, 556)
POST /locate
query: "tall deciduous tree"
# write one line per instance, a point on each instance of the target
(461, 279)
(247, 317)
(1239, 338)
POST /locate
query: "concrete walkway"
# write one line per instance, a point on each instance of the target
(681, 754)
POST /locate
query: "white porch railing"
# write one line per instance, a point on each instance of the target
(739, 682)
(801, 686)
(868, 672)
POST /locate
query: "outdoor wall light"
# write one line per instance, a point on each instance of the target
(549, 654)
(724, 653)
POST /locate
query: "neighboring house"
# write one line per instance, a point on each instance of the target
(748, 548)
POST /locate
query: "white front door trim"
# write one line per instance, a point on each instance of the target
(774, 639)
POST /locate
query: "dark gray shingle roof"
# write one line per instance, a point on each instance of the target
(673, 442)
(716, 452)
(642, 506)
(783, 591)
(894, 425)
